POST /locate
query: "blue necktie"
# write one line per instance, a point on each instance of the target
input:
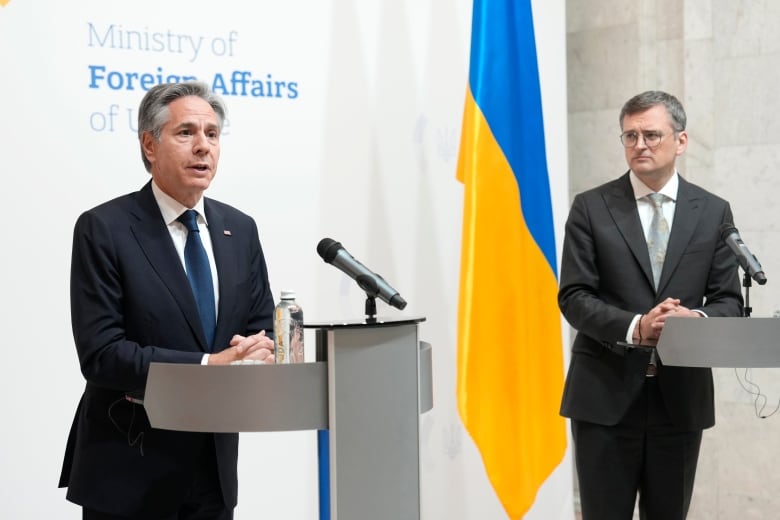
(199, 274)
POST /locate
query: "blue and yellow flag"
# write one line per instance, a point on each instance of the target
(510, 355)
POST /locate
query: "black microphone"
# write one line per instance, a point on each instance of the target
(374, 285)
(747, 260)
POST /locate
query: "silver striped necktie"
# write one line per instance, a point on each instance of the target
(657, 236)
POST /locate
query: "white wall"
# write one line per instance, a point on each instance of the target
(365, 154)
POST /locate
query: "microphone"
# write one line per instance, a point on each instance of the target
(334, 253)
(747, 260)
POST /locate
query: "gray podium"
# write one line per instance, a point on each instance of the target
(721, 342)
(368, 388)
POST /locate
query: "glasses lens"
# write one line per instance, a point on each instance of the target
(650, 139)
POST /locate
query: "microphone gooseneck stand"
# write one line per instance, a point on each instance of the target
(746, 283)
(370, 308)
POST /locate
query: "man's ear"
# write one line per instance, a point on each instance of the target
(147, 145)
(682, 142)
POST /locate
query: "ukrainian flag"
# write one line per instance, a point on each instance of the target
(510, 355)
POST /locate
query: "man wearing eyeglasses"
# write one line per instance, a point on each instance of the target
(637, 250)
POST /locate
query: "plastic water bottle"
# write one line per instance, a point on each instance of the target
(288, 330)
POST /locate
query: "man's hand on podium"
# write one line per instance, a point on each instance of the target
(653, 322)
(257, 347)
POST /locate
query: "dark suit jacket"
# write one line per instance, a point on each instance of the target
(131, 304)
(606, 280)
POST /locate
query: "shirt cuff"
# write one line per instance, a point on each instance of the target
(630, 333)
(205, 359)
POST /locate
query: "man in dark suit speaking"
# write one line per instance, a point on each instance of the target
(139, 295)
(637, 250)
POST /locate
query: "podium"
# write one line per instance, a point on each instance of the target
(721, 342)
(368, 387)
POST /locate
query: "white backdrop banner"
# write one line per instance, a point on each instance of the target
(343, 122)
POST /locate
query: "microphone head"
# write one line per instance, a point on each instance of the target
(328, 249)
(726, 229)
(397, 302)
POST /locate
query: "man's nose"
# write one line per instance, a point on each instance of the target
(200, 143)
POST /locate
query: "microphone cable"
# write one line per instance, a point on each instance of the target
(753, 389)
(139, 438)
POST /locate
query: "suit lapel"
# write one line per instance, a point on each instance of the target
(155, 241)
(222, 243)
(620, 202)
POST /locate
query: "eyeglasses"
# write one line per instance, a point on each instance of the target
(651, 139)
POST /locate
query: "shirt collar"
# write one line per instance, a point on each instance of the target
(171, 208)
(641, 189)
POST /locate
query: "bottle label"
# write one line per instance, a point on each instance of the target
(288, 333)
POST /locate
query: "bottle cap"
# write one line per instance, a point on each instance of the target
(288, 295)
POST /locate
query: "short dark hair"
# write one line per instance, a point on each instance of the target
(153, 112)
(651, 98)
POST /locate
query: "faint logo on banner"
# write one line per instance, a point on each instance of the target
(446, 139)
(447, 143)
(452, 443)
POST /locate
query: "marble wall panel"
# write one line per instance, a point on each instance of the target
(584, 15)
(602, 67)
(699, 107)
(747, 100)
(749, 177)
(669, 18)
(745, 27)
(596, 155)
(697, 19)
